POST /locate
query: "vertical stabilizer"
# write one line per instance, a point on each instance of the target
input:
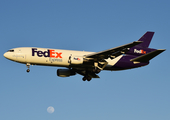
(146, 39)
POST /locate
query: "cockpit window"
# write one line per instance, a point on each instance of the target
(10, 50)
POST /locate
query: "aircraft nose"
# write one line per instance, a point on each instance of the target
(5, 55)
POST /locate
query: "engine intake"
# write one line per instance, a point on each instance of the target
(65, 72)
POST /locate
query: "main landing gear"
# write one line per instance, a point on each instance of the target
(88, 78)
(88, 74)
(28, 66)
(96, 70)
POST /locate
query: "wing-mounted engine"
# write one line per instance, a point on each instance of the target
(65, 72)
(74, 60)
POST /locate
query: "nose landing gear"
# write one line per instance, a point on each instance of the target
(28, 70)
(28, 66)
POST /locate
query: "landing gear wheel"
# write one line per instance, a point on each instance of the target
(84, 78)
(28, 66)
(88, 78)
(28, 70)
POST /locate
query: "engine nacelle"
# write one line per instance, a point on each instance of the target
(65, 72)
(76, 60)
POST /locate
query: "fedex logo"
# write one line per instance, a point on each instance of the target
(48, 53)
(139, 51)
(77, 59)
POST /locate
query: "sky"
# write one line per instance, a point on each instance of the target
(90, 25)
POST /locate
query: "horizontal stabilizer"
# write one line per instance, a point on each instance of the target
(148, 56)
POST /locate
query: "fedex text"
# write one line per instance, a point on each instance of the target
(139, 51)
(48, 53)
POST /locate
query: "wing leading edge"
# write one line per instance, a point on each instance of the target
(113, 52)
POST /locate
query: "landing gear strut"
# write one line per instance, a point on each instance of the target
(28, 66)
(96, 70)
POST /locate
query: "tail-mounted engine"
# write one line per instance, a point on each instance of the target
(65, 72)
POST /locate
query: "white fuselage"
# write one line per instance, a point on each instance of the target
(51, 57)
(88, 64)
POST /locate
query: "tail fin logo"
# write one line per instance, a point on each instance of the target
(139, 51)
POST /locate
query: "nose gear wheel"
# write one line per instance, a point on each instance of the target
(28, 66)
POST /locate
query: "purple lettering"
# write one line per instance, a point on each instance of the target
(47, 53)
(40, 53)
(33, 51)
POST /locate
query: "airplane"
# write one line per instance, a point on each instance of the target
(88, 64)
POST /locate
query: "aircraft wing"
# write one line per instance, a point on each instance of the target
(113, 52)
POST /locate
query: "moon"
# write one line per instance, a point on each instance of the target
(50, 109)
